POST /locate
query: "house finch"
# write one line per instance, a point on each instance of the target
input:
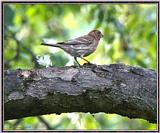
(81, 46)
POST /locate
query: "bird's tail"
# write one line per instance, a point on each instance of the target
(48, 43)
(52, 45)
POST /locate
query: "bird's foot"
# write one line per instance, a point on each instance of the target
(89, 63)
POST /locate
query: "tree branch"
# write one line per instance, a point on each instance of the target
(117, 88)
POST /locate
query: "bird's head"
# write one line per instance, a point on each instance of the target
(96, 34)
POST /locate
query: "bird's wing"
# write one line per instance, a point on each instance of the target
(87, 40)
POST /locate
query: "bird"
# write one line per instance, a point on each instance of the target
(81, 46)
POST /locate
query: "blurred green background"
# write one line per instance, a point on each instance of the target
(130, 35)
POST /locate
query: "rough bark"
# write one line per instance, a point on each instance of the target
(116, 88)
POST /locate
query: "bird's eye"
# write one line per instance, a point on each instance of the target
(98, 32)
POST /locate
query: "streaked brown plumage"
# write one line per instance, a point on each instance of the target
(81, 46)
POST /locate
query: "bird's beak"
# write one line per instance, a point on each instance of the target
(102, 35)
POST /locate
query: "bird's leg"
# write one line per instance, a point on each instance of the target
(85, 60)
(75, 58)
